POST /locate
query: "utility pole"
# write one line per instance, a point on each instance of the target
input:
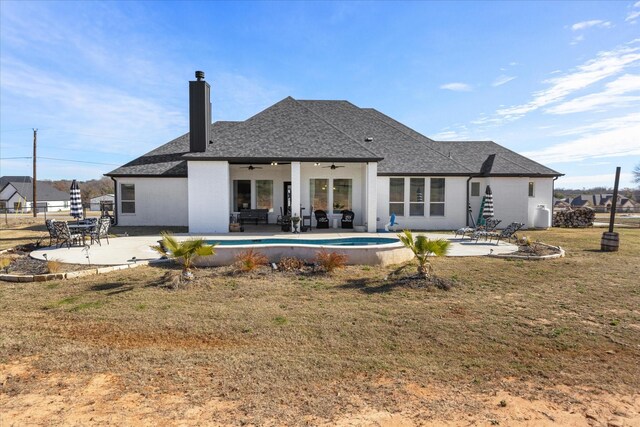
(34, 206)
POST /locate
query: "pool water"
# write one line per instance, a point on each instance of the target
(344, 241)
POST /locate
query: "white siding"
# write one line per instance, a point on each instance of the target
(209, 195)
(511, 198)
(159, 201)
(455, 209)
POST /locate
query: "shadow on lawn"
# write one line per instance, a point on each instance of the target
(114, 287)
(370, 286)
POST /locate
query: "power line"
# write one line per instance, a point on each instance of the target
(62, 160)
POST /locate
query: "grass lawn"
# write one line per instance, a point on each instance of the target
(514, 342)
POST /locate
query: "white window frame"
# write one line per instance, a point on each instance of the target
(444, 198)
(404, 198)
(475, 184)
(123, 200)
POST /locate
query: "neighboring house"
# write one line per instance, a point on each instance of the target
(603, 202)
(107, 200)
(16, 195)
(327, 155)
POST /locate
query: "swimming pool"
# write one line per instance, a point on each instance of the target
(342, 241)
(372, 250)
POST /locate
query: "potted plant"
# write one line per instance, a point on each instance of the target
(295, 220)
(286, 223)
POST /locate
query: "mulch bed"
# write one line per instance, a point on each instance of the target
(22, 263)
(536, 250)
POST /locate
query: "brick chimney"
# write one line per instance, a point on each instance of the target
(199, 114)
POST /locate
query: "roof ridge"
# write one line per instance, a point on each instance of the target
(504, 157)
(415, 139)
(335, 127)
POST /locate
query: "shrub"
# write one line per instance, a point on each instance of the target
(54, 266)
(331, 261)
(185, 251)
(290, 264)
(4, 263)
(250, 259)
(422, 247)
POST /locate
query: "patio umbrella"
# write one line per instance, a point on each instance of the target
(487, 204)
(76, 200)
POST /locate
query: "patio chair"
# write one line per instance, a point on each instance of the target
(64, 235)
(101, 230)
(279, 217)
(489, 226)
(347, 218)
(52, 231)
(322, 221)
(509, 232)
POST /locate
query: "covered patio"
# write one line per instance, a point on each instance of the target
(269, 190)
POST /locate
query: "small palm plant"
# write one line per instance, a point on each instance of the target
(422, 247)
(185, 251)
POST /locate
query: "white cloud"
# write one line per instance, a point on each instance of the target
(457, 87)
(588, 24)
(613, 96)
(577, 39)
(615, 142)
(632, 16)
(611, 123)
(606, 64)
(449, 135)
(500, 80)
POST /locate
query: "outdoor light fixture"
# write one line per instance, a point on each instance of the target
(274, 163)
(316, 164)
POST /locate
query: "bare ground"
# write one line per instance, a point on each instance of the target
(512, 343)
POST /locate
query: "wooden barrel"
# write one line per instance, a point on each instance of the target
(610, 242)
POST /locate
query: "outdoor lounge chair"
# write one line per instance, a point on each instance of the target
(347, 218)
(53, 236)
(507, 233)
(64, 235)
(322, 221)
(489, 226)
(101, 230)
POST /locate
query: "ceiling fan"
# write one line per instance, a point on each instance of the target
(250, 167)
(333, 166)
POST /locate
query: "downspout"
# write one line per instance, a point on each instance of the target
(115, 200)
(468, 202)
(553, 202)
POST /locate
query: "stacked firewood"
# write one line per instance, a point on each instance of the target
(581, 217)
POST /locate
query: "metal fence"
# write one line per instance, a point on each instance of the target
(55, 210)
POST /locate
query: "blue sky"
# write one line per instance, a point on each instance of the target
(106, 82)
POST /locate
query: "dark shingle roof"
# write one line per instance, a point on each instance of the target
(46, 192)
(334, 131)
(286, 130)
(4, 180)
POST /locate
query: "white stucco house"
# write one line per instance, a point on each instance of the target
(329, 155)
(16, 195)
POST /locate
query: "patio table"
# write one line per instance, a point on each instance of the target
(81, 228)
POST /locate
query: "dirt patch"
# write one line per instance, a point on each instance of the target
(121, 337)
(103, 399)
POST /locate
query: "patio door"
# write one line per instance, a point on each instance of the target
(287, 197)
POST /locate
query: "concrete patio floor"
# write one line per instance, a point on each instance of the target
(132, 249)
